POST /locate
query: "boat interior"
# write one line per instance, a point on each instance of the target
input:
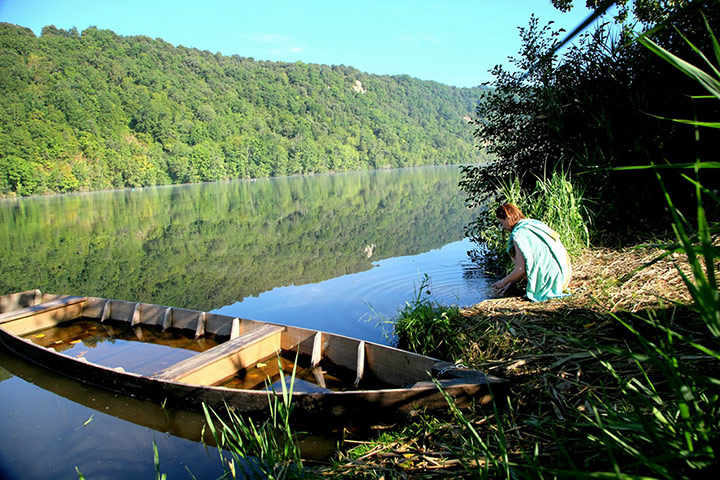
(202, 348)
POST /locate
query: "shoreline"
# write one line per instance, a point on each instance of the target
(606, 283)
(560, 357)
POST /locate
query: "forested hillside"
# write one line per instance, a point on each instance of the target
(96, 110)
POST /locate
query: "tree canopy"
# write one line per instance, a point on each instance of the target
(96, 110)
(599, 110)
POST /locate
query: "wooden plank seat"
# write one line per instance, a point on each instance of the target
(16, 301)
(43, 315)
(218, 363)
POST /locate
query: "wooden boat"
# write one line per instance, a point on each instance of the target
(185, 358)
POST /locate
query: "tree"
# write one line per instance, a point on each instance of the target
(207, 160)
(598, 107)
(18, 176)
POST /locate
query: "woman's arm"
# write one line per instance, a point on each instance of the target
(517, 273)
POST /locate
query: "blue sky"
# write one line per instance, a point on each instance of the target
(454, 42)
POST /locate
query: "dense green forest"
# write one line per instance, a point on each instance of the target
(96, 110)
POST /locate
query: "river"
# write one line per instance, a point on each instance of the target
(336, 252)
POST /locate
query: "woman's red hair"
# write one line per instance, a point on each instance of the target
(510, 212)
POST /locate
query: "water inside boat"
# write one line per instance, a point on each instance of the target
(140, 349)
(322, 378)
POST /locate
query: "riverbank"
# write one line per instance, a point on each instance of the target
(605, 282)
(564, 357)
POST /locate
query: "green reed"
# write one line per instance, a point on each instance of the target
(560, 203)
(674, 432)
(660, 419)
(156, 462)
(557, 200)
(428, 328)
(268, 450)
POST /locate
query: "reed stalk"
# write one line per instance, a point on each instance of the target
(268, 450)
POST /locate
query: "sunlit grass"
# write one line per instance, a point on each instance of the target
(557, 201)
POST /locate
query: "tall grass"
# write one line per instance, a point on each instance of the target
(560, 204)
(668, 422)
(674, 432)
(428, 328)
(662, 418)
(557, 201)
(270, 450)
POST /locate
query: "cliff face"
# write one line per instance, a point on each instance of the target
(358, 87)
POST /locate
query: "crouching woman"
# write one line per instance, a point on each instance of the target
(537, 254)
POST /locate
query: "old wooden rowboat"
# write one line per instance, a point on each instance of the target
(184, 358)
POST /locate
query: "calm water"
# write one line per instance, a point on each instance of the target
(335, 252)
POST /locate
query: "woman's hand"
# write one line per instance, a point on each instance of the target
(502, 286)
(518, 272)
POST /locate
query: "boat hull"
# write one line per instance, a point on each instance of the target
(171, 388)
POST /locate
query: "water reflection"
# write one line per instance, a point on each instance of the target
(205, 246)
(361, 304)
(52, 424)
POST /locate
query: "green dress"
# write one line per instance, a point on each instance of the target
(546, 260)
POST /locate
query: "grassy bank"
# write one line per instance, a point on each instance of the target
(580, 375)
